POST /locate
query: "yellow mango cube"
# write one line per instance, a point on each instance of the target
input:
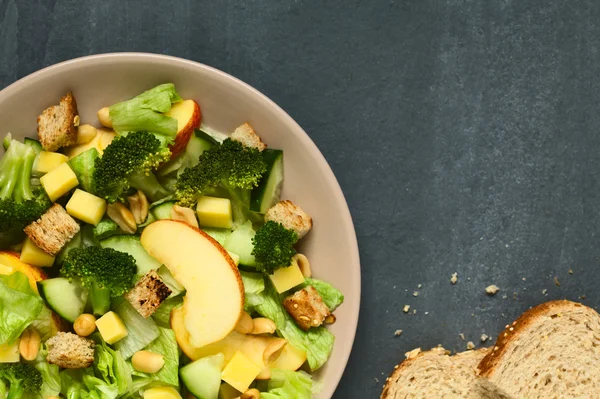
(9, 353)
(34, 255)
(287, 277)
(87, 207)
(214, 212)
(47, 161)
(161, 393)
(59, 181)
(240, 372)
(111, 327)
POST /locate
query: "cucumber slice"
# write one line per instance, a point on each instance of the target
(240, 243)
(203, 377)
(199, 142)
(132, 246)
(36, 145)
(267, 193)
(64, 297)
(220, 235)
(163, 211)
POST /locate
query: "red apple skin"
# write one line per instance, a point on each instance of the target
(183, 135)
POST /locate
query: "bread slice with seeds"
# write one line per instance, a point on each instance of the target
(57, 125)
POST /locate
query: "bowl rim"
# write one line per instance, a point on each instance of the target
(352, 301)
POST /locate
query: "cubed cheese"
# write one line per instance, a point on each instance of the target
(235, 257)
(9, 353)
(87, 207)
(47, 161)
(59, 181)
(214, 212)
(111, 327)
(35, 256)
(240, 372)
(287, 277)
(161, 393)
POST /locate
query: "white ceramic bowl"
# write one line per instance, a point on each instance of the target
(226, 102)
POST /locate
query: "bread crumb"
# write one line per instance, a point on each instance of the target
(414, 311)
(454, 278)
(398, 333)
(470, 345)
(582, 297)
(556, 282)
(462, 336)
(544, 292)
(524, 279)
(419, 286)
(428, 312)
(504, 296)
(406, 308)
(416, 293)
(570, 271)
(492, 289)
(484, 337)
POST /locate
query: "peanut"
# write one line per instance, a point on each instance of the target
(29, 345)
(303, 264)
(245, 325)
(184, 214)
(273, 350)
(147, 362)
(122, 216)
(330, 319)
(251, 394)
(84, 325)
(104, 117)
(86, 133)
(262, 325)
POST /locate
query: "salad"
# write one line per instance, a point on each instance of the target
(153, 257)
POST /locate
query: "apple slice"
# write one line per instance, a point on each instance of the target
(251, 346)
(189, 116)
(214, 290)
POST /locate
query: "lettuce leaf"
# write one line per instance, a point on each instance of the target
(162, 315)
(165, 345)
(50, 374)
(285, 384)
(331, 295)
(254, 286)
(19, 306)
(111, 367)
(140, 331)
(145, 112)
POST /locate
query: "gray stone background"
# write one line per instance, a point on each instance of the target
(464, 134)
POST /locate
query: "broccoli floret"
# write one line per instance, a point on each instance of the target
(20, 202)
(105, 272)
(273, 247)
(230, 167)
(128, 162)
(23, 379)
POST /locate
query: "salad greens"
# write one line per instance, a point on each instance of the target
(103, 269)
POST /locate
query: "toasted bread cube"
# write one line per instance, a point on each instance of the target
(246, 135)
(147, 295)
(286, 278)
(56, 125)
(47, 161)
(291, 216)
(214, 212)
(306, 307)
(59, 181)
(53, 230)
(161, 393)
(70, 351)
(9, 353)
(240, 372)
(111, 327)
(34, 255)
(87, 207)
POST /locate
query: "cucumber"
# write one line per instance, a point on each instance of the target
(132, 246)
(199, 142)
(267, 193)
(36, 145)
(220, 235)
(64, 297)
(240, 243)
(203, 377)
(210, 134)
(163, 211)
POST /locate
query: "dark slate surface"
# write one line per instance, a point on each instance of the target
(475, 126)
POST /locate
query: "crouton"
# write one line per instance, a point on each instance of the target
(148, 294)
(291, 216)
(53, 230)
(70, 351)
(306, 307)
(57, 124)
(246, 135)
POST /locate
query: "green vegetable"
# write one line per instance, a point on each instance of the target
(110, 366)
(83, 165)
(50, 374)
(254, 285)
(128, 162)
(140, 331)
(240, 242)
(162, 315)
(286, 384)
(20, 202)
(105, 272)
(166, 345)
(19, 306)
(330, 295)
(75, 242)
(23, 379)
(230, 167)
(106, 228)
(145, 112)
(273, 247)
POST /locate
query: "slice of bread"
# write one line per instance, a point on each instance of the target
(551, 351)
(57, 126)
(436, 374)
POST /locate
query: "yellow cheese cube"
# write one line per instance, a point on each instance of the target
(87, 207)
(111, 327)
(214, 212)
(161, 393)
(287, 277)
(47, 161)
(235, 257)
(240, 372)
(35, 256)
(59, 181)
(9, 353)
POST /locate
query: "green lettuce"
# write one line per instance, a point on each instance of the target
(45, 324)
(165, 345)
(145, 112)
(254, 286)
(140, 331)
(162, 315)
(111, 367)
(331, 295)
(50, 374)
(19, 306)
(285, 384)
